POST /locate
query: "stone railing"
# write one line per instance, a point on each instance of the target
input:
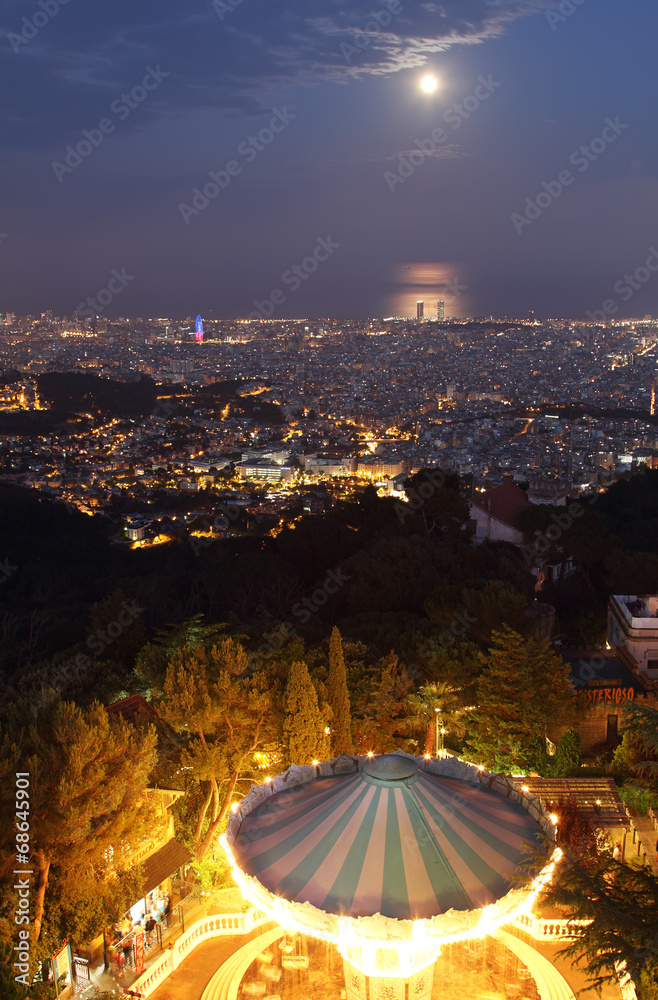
(220, 924)
(542, 929)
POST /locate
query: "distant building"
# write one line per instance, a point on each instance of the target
(496, 514)
(264, 471)
(553, 493)
(199, 330)
(181, 366)
(315, 466)
(440, 309)
(420, 309)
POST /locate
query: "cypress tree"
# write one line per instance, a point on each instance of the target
(303, 726)
(339, 699)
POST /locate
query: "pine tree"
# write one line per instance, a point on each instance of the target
(567, 755)
(339, 699)
(88, 773)
(619, 904)
(227, 713)
(384, 713)
(303, 726)
(524, 686)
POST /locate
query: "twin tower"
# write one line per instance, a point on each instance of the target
(420, 309)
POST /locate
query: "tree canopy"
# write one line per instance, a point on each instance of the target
(523, 687)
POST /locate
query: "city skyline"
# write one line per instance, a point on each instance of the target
(206, 162)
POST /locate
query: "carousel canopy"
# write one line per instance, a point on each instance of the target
(391, 839)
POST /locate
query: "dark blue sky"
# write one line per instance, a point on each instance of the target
(334, 169)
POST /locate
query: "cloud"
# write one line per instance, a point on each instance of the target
(230, 57)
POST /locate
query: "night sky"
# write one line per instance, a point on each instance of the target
(332, 100)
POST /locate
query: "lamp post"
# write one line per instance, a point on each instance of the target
(440, 732)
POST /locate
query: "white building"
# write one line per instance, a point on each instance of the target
(496, 512)
(264, 471)
(315, 466)
(633, 624)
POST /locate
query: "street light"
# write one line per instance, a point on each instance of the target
(439, 732)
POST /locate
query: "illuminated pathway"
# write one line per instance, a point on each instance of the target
(225, 984)
(190, 979)
(550, 983)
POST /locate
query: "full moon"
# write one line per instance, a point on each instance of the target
(429, 84)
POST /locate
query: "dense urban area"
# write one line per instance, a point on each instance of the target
(292, 415)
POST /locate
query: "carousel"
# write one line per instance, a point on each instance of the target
(392, 859)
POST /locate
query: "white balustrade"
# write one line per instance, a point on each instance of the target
(217, 925)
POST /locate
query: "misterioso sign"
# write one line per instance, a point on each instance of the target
(609, 694)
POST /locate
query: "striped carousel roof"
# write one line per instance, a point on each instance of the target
(391, 839)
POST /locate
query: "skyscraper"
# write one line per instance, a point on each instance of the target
(199, 330)
(420, 309)
(440, 309)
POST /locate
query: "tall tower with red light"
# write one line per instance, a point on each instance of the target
(199, 330)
